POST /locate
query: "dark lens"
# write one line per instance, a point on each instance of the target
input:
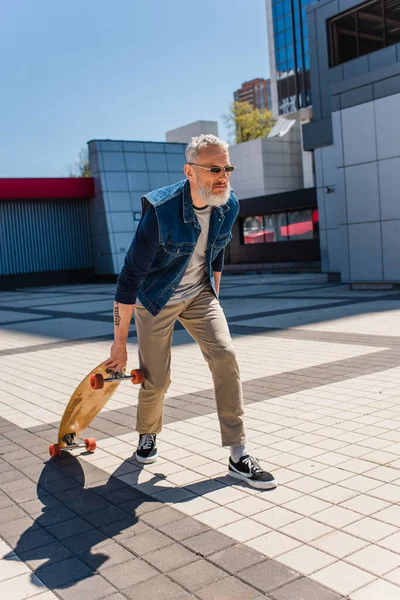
(229, 169)
(215, 170)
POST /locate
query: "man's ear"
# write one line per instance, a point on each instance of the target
(188, 170)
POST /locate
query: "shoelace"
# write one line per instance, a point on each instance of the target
(252, 464)
(146, 441)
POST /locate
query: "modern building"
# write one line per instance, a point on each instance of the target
(185, 133)
(355, 136)
(257, 92)
(289, 56)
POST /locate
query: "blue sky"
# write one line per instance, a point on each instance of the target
(76, 70)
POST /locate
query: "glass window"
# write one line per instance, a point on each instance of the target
(370, 28)
(363, 30)
(392, 22)
(288, 21)
(300, 225)
(253, 230)
(281, 41)
(280, 25)
(274, 227)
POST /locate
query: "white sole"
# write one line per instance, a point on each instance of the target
(147, 461)
(260, 485)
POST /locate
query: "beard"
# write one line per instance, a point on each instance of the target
(206, 194)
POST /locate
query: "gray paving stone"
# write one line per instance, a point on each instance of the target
(197, 575)
(149, 541)
(161, 516)
(184, 528)
(34, 537)
(304, 589)
(58, 514)
(63, 573)
(5, 501)
(85, 505)
(125, 529)
(114, 555)
(11, 513)
(170, 558)
(49, 554)
(69, 528)
(10, 475)
(82, 542)
(141, 506)
(237, 558)
(156, 589)
(37, 507)
(129, 573)
(16, 528)
(228, 588)
(268, 575)
(208, 543)
(93, 588)
(105, 516)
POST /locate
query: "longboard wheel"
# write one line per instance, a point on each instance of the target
(54, 450)
(137, 376)
(97, 381)
(90, 444)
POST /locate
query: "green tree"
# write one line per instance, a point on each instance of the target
(81, 167)
(247, 123)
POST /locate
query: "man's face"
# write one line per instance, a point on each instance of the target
(213, 188)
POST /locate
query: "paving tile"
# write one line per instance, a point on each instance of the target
(197, 575)
(268, 575)
(237, 558)
(156, 588)
(129, 573)
(12, 567)
(228, 588)
(208, 543)
(377, 589)
(170, 558)
(69, 528)
(21, 587)
(63, 573)
(184, 528)
(45, 555)
(105, 555)
(305, 589)
(95, 587)
(147, 542)
(162, 516)
(342, 577)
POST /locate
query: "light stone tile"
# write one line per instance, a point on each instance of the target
(244, 530)
(377, 589)
(306, 559)
(273, 544)
(339, 544)
(375, 560)
(342, 577)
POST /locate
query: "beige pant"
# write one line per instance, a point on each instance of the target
(204, 320)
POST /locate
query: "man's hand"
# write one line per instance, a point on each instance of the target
(118, 357)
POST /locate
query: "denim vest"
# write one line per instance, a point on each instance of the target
(178, 230)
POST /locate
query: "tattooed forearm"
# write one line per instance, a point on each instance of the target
(117, 318)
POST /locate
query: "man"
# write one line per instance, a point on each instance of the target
(172, 272)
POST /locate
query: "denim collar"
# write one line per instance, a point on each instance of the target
(188, 212)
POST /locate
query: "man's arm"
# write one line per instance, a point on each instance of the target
(217, 266)
(137, 264)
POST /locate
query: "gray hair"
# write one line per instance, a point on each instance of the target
(203, 141)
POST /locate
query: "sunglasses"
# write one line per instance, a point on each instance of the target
(215, 170)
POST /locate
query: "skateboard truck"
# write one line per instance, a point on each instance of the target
(55, 449)
(97, 380)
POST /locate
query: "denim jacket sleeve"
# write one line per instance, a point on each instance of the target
(138, 258)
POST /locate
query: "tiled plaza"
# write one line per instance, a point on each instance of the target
(320, 366)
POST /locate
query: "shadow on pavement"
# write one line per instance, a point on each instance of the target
(67, 542)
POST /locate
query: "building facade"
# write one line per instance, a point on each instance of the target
(289, 55)
(257, 92)
(355, 136)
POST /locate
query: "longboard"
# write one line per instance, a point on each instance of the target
(91, 395)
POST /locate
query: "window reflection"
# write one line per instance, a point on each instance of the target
(281, 227)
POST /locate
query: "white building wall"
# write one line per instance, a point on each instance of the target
(367, 139)
(267, 166)
(185, 133)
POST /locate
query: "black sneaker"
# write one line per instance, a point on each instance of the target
(147, 449)
(248, 469)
